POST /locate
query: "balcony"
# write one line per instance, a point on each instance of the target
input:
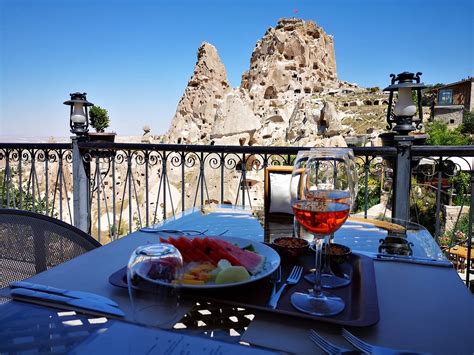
(129, 186)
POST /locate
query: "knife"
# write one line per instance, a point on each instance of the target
(171, 231)
(413, 260)
(23, 293)
(62, 292)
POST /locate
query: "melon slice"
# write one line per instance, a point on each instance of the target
(253, 262)
(232, 274)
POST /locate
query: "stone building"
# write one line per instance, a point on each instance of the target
(452, 100)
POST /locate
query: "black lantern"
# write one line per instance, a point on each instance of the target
(402, 114)
(79, 117)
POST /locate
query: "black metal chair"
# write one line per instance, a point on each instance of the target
(31, 243)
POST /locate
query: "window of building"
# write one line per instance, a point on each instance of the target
(445, 97)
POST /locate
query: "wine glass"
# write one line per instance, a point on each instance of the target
(321, 204)
(328, 278)
(154, 273)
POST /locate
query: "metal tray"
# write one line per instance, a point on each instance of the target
(360, 296)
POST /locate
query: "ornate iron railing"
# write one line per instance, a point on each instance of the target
(143, 183)
(135, 185)
(37, 177)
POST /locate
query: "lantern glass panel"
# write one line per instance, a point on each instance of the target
(78, 113)
(405, 105)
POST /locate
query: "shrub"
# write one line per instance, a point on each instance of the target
(461, 184)
(468, 122)
(21, 196)
(99, 118)
(462, 229)
(458, 234)
(423, 206)
(443, 240)
(439, 134)
(373, 187)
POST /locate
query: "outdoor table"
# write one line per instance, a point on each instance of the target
(422, 307)
(461, 251)
(459, 255)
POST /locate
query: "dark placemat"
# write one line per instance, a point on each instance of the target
(360, 296)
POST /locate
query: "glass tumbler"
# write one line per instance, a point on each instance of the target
(154, 275)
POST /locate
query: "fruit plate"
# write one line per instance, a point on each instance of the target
(272, 261)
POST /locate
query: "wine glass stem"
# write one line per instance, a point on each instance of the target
(317, 272)
(296, 226)
(327, 255)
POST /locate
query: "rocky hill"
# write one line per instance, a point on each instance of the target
(196, 111)
(289, 95)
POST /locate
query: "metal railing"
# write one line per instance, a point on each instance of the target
(129, 186)
(144, 183)
(37, 177)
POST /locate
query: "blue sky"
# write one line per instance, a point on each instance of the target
(134, 57)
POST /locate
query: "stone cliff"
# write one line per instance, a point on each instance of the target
(282, 97)
(293, 58)
(196, 111)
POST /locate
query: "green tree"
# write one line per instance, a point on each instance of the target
(99, 118)
(439, 134)
(468, 122)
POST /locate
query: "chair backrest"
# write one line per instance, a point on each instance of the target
(31, 243)
(277, 193)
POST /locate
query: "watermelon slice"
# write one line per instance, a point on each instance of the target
(253, 262)
(212, 250)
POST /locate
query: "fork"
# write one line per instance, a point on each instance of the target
(372, 349)
(275, 279)
(294, 277)
(328, 347)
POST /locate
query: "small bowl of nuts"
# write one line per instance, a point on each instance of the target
(291, 247)
(338, 253)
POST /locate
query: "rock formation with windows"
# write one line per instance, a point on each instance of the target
(281, 99)
(204, 94)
